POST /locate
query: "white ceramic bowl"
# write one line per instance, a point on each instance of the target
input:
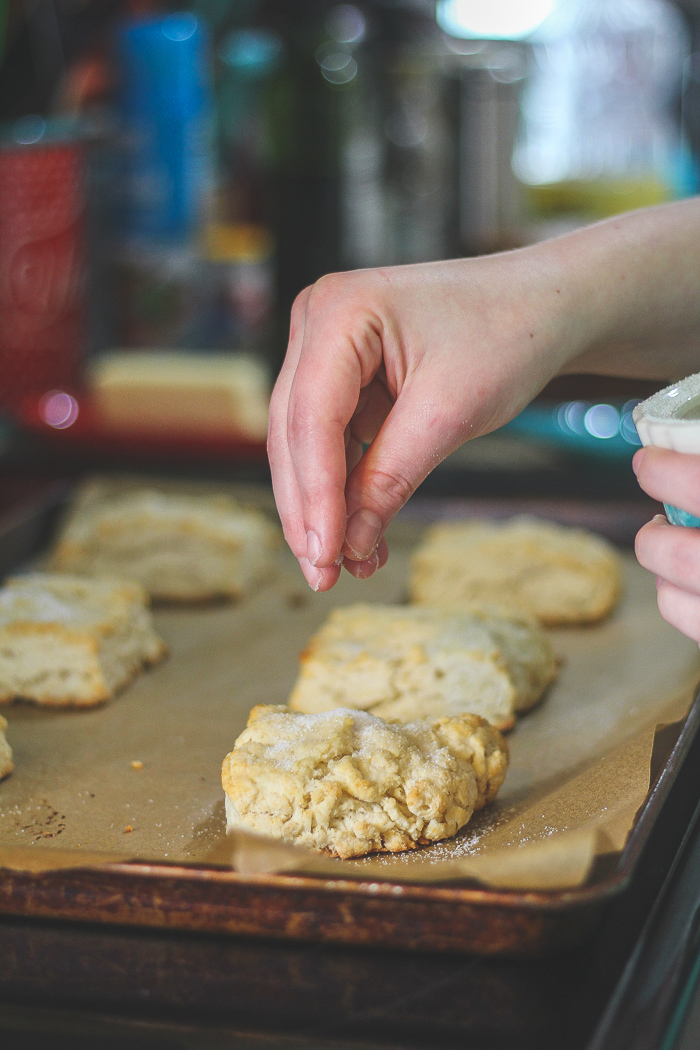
(671, 419)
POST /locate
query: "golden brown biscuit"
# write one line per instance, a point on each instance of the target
(560, 575)
(69, 641)
(349, 783)
(401, 663)
(179, 546)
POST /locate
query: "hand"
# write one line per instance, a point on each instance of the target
(412, 361)
(672, 552)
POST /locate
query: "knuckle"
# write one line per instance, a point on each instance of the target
(333, 294)
(388, 488)
(329, 286)
(299, 304)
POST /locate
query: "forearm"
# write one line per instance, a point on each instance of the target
(633, 285)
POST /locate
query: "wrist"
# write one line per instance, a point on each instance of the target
(564, 302)
(578, 303)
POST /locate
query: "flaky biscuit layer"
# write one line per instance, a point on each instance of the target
(180, 546)
(403, 662)
(70, 641)
(560, 575)
(349, 783)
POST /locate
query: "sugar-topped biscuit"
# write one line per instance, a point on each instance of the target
(180, 546)
(70, 641)
(349, 783)
(403, 662)
(560, 575)
(6, 763)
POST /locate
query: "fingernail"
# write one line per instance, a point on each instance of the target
(367, 568)
(312, 575)
(314, 549)
(362, 533)
(636, 459)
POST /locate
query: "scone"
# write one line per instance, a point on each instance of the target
(402, 662)
(180, 547)
(67, 641)
(560, 575)
(349, 783)
(6, 763)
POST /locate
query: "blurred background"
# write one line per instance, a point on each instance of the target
(171, 177)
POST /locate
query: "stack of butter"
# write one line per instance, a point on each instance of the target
(171, 392)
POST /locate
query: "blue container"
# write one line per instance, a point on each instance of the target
(167, 115)
(681, 517)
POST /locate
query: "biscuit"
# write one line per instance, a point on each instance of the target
(6, 763)
(402, 662)
(560, 575)
(72, 642)
(181, 547)
(349, 783)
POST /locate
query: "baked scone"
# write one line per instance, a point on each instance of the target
(560, 575)
(403, 662)
(68, 641)
(6, 763)
(179, 546)
(349, 783)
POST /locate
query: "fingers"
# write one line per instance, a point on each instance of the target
(373, 406)
(334, 395)
(362, 570)
(680, 608)
(319, 579)
(417, 434)
(284, 482)
(672, 553)
(670, 477)
(341, 350)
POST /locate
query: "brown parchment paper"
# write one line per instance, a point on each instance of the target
(579, 772)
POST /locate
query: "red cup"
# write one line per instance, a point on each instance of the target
(42, 267)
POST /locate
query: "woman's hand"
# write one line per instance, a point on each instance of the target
(672, 552)
(411, 361)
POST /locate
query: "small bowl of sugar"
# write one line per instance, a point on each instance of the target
(671, 419)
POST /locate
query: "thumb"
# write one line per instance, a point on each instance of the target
(417, 435)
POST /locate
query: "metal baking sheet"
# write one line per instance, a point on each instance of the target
(75, 789)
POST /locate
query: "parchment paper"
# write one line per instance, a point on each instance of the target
(579, 772)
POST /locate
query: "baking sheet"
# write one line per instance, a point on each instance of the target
(580, 763)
